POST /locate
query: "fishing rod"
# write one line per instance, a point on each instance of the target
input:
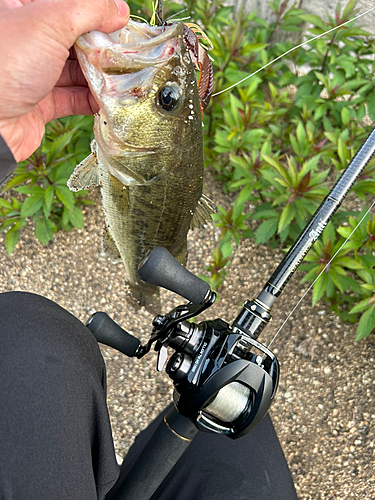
(224, 379)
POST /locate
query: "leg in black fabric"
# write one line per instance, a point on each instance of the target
(55, 436)
(217, 468)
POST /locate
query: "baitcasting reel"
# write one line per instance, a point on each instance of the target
(224, 379)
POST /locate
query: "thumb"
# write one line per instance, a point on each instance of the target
(101, 15)
(35, 39)
(66, 20)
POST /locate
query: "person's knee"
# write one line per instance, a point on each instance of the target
(34, 329)
(53, 413)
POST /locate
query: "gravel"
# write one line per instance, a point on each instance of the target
(324, 412)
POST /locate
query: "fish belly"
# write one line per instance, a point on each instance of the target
(140, 217)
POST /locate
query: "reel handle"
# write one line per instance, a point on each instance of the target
(162, 269)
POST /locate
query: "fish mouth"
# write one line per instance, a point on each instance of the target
(131, 49)
(138, 152)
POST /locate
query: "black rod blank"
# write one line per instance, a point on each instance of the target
(322, 216)
(255, 314)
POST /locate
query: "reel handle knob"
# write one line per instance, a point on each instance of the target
(162, 269)
(108, 332)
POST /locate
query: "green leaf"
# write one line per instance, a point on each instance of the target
(286, 217)
(370, 99)
(336, 278)
(59, 144)
(266, 230)
(227, 249)
(345, 231)
(309, 165)
(366, 323)
(32, 204)
(319, 288)
(265, 213)
(320, 111)
(329, 232)
(349, 263)
(361, 306)
(330, 290)
(315, 20)
(350, 6)
(27, 189)
(5, 203)
(76, 218)
(311, 275)
(345, 116)
(48, 197)
(343, 152)
(246, 194)
(17, 180)
(361, 113)
(44, 230)
(65, 196)
(237, 210)
(66, 217)
(301, 134)
(12, 238)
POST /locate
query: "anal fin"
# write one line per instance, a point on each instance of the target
(181, 255)
(202, 213)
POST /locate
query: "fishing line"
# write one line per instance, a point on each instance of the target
(134, 16)
(181, 19)
(176, 14)
(291, 50)
(316, 279)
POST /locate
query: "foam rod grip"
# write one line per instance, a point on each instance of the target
(108, 332)
(162, 269)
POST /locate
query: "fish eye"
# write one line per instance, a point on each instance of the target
(170, 97)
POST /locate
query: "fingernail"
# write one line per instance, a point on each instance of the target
(122, 8)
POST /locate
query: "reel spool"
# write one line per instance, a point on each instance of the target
(223, 392)
(230, 402)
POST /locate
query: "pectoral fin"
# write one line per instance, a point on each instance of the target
(202, 214)
(86, 174)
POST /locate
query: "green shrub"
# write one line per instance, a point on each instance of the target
(41, 181)
(280, 139)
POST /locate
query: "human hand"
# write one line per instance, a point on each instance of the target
(39, 79)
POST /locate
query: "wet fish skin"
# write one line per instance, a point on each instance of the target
(149, 160)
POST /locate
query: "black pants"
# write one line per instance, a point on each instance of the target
(55, 435)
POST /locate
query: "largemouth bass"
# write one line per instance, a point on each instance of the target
(147, 156)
